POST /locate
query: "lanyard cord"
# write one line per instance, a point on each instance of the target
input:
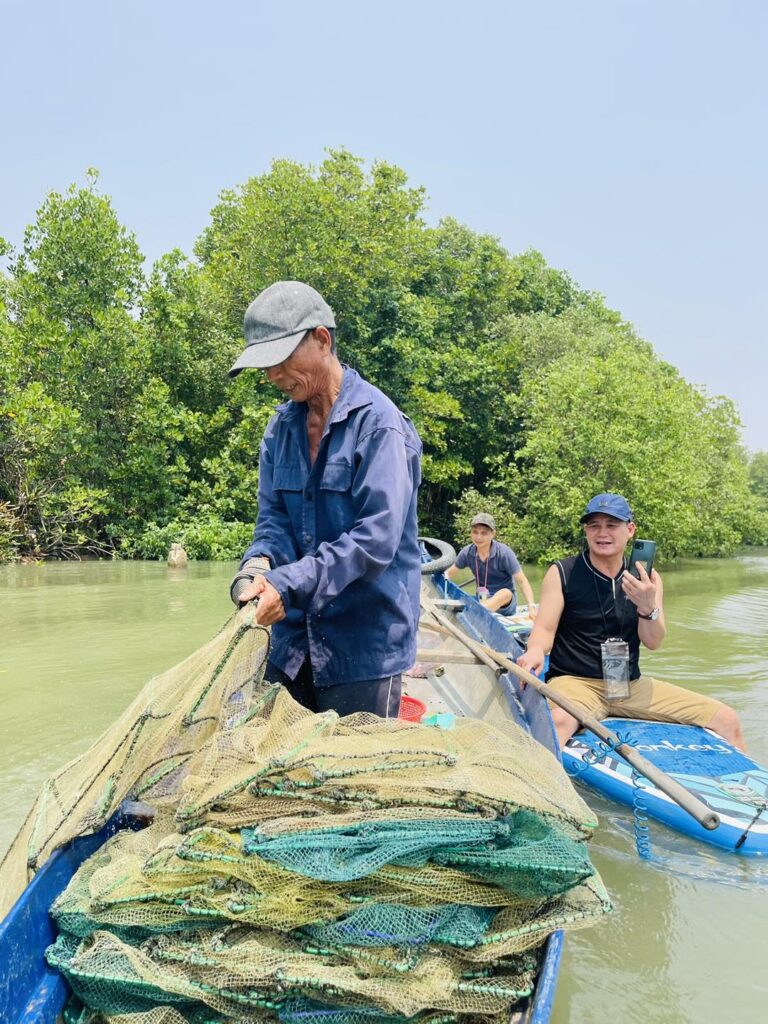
(477, 569)
(595, 576)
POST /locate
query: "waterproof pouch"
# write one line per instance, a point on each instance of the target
(614, 654)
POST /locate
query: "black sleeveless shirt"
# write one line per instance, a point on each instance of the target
(596, 608)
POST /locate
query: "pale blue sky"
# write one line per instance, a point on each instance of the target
(624, 139)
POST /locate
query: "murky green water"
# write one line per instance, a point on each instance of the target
(688, 940)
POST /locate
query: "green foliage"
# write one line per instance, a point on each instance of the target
(610, 416)
(50, 512)
(87, 448)
(11, 533)
(77, 260)
(208, 537)
(758, 477)
(191, 346)
(120, 430)
(756, 530)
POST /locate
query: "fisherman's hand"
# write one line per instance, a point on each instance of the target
(641, 592)
(270, 608)
(533, 610)
(532, 661)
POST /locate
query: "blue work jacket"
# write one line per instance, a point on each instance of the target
(341, 536)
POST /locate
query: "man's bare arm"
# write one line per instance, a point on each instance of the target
(543, 634)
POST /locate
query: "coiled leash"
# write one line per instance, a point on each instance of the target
(602, 750)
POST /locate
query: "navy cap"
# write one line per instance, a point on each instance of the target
(609, 505)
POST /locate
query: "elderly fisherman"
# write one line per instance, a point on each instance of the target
(335, 557)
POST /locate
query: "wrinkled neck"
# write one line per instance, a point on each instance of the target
(329, 389)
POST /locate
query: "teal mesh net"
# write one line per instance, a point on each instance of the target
(522, 852)
(341, 855)
(392, 925)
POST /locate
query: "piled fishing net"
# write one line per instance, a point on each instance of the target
(309, 869)
(137, 889)
(289, 764)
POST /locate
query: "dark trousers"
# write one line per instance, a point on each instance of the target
(377, 696)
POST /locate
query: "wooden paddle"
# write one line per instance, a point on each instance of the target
(695, 807)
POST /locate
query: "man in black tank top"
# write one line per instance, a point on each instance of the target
(591, 597)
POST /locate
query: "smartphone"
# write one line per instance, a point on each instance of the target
(643, 553)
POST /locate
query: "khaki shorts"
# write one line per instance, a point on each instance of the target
(649, 699)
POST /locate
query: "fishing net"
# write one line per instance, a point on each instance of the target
(521, 853)
(289, 764)
(305, 868)
(244, 971)
(136, 891)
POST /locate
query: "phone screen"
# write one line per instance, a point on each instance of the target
(643, 553)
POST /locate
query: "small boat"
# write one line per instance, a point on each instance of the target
(727, 781)
(34, 993)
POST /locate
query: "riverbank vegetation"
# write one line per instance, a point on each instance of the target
(121, 432)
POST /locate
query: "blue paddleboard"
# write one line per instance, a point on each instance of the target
(727, 781)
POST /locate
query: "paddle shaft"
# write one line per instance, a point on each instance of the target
(696, 808)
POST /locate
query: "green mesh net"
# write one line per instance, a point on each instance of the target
(435, 917)
(137, 891)
(244, 969)
(522, 852)
(387, 924)
(146, 753)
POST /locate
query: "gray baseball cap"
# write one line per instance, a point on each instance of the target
(277, 320)
(484, 519)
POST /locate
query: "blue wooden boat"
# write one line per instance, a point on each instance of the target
(33, 993)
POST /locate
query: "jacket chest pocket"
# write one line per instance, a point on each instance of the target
(287, 478)
(337, 476)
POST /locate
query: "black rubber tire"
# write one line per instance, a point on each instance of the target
(446, 556)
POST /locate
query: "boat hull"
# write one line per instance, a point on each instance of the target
(32, 992)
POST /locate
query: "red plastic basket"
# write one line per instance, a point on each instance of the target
(411, 709)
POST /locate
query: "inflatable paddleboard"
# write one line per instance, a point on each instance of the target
(727, 781)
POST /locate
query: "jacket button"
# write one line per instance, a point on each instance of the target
(307, 538)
